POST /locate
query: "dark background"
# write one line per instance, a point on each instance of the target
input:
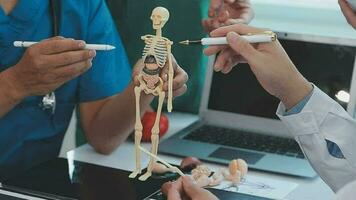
(329, 67)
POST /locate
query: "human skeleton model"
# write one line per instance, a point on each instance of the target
(156, 56)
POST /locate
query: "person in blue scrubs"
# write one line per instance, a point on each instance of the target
(99, 83)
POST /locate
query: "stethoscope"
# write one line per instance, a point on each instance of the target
(49, 100)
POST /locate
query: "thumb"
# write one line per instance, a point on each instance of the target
(241, 46)
(190, 188)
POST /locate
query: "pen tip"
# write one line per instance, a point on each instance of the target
(185, 42)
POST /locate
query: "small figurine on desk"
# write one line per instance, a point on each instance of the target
(156, 56)
(237, 171)
(205, 177)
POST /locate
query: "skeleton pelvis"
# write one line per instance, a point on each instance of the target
(148, 80)
(151, 80)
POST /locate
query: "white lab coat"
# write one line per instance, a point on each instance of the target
(347, 193)
(324, 119)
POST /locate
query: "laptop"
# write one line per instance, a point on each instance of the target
(237, 117)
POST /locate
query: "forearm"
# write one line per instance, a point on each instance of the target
(294, 90)
(115, 120)
(323, 122)
(9, 97)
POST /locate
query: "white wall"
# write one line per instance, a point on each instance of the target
(312, 17)
(69, 138)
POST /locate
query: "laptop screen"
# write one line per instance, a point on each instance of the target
(330, 67)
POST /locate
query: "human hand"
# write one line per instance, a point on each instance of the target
(49, 64)
(179, 81)
(228, 12)
(268, 61)
(348, 12)
(185, 189)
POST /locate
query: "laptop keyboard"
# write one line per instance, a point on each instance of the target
(246, 140)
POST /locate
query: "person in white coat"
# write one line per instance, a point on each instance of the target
(324, 130)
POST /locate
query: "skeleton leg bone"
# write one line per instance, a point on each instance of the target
(154, 136)
(138, 133)
(175, 169)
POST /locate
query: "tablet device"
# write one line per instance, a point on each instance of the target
(221, 194)
(68, 180)
(71, 180)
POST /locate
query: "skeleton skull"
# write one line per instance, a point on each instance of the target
(159, 17)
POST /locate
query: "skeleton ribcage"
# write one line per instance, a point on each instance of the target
(156, 46)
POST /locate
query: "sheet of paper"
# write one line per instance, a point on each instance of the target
(262, 187)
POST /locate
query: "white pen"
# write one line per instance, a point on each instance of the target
(98, 47)
(267, 36)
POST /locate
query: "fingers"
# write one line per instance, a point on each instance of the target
(164, 72)
(70, 57)
(240, 20)
(241, 29)
(215, 6)
(69, 72)
(212, 50)
(59, 45)
(190, 188)
(180, 78)
(136, 71)
(211, 24)
(222, 58)
(223, 16)
(348, 12)
(242, 46)
(246, 16)
(173, 190)
(179, 84)
(54, 38)
(180, 91)
(166, 187)
(179, 81)
(231, 63)
(226, 60)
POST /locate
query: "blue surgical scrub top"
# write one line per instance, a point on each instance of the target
(30, 135)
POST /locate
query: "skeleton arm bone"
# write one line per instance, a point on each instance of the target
(146, 38)
(170, 77)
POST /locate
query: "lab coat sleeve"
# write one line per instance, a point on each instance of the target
(320, 120)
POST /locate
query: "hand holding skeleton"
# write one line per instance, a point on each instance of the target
(179, 81)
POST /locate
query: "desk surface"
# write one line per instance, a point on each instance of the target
(123, 158)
